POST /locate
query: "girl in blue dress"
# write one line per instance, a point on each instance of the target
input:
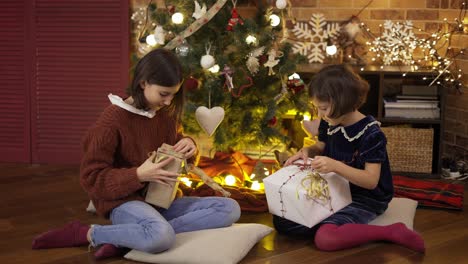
(353, 146)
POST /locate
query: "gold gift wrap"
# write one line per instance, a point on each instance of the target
(159, 194)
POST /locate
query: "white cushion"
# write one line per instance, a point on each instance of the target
(399, 210)
(221, 245)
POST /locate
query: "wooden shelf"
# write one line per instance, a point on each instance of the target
(313, 68)
(386, 80)
(409, 120)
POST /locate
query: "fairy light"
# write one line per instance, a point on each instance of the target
(186, 181)
(255, 186)
(250, 39)
(150, 40)
(214, 69)
(177, 18)
(230, 180)
(274, 20)
(331, 49)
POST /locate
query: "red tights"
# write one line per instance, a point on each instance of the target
(330, 237)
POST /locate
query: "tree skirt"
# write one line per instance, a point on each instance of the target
(430, 193)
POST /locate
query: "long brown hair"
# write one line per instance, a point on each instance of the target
(161, 67)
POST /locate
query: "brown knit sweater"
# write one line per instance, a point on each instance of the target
(114, 147)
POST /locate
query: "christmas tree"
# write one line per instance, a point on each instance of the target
(241, 65)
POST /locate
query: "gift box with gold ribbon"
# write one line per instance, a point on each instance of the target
(300, 194)
(157, 193)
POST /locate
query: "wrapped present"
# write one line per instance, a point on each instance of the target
(300, 194)
(159, 194)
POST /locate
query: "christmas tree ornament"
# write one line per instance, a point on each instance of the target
(272, 122)
(207, 61)
(296, 85)
(191, 84)
(199, 11)
(235, 18)
(281, 4)
(159, 35)
(252, 62)
(227, 72)
(171, 9)
(242, 87)
(209, 118)
(183, 49)
(273, 54)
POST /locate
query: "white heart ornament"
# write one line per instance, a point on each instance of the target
(209, 119)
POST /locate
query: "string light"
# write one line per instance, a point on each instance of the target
(150, 40)
(230, 180)
(274, 20)
(177, 18)
(255, 186)
(186, 181)
(214, 69)
(250, 39)
(331, 49)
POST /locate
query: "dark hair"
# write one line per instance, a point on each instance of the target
(161, 67)
(339, 85)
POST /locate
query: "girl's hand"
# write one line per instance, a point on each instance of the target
(186, 146)
(154, 172)
(323, 164)
(301, 154)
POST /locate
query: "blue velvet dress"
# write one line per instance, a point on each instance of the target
(357, 144)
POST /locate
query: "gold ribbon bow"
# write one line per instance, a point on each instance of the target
(316, 188)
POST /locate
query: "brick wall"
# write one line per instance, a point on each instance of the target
(425, 14)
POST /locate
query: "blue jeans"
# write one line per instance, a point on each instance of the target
(138, 225)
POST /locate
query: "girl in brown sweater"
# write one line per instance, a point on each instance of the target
(115, 168)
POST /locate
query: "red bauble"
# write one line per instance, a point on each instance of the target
(171, 9)
(191, 84)
(272, 121)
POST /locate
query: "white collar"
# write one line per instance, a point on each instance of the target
(116, 100)
(358, 135)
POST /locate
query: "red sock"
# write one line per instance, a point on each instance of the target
(109, 251)
(72, 234)
(330, 237)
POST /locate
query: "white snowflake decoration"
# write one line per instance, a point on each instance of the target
(315, 37)
(397, 43)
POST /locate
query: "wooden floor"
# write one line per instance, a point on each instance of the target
(37, 198)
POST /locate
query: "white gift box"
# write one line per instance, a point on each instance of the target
(288, 197)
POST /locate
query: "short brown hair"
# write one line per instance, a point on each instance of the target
(340, 86)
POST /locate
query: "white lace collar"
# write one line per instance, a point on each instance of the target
(358, 135)
(116, 100)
